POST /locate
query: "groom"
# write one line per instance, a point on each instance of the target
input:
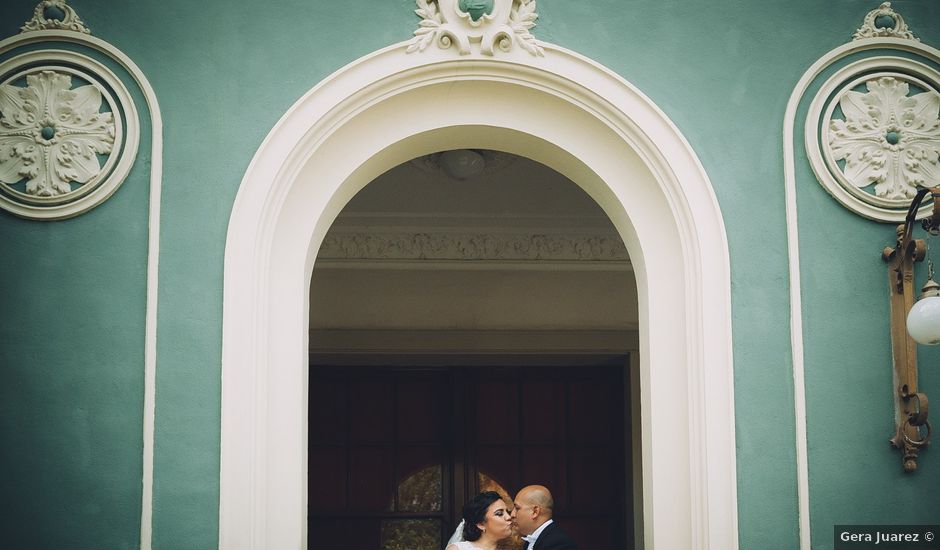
(532, 514)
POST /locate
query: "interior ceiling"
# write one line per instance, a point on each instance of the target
(518, 247)
(511, 192)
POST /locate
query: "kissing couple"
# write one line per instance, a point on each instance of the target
(487, 520)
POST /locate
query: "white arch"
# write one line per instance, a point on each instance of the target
(562, 110)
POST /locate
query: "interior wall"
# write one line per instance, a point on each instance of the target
(472, 300)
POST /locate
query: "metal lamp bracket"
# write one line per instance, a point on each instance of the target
(913, 428)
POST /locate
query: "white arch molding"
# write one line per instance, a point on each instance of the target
(562, 110)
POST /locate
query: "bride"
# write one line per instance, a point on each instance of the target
(486, 521)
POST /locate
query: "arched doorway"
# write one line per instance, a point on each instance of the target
(472, 320)
(561, 110)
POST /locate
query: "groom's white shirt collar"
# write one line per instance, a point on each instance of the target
(535, 534)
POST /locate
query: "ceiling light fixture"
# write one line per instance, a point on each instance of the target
(462, 164)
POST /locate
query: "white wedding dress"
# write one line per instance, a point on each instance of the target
(457, 539)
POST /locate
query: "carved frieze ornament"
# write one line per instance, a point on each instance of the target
(884, 22)
(448, 246)
(55, 15)
(482, 24)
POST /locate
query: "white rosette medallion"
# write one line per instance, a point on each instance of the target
(873, 135)
(69, 134)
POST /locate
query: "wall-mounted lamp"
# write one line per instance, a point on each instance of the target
(911, 323)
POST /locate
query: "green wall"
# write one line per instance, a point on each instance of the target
(855, 474)
(72, 293)
(72, 302)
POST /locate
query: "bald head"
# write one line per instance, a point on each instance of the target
(532, 507)
(537, 495)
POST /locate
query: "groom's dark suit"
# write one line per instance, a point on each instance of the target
(553, 538)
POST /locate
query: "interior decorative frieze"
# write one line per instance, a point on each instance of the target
(884, 22)
(447, 246)
(486, 25)
(55, 15)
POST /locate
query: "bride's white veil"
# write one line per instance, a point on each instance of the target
(457, 536)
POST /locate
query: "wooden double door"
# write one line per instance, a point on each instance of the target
(394, 452)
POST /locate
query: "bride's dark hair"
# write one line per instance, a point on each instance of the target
(474, 512)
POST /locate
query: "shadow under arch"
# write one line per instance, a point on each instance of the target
(562, 110)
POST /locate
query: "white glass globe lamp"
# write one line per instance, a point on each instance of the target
(923, 321)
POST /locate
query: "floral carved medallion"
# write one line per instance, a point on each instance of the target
(889, 138)
(51, 134)
(872, 129)
(873, 135)
(68, 134)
